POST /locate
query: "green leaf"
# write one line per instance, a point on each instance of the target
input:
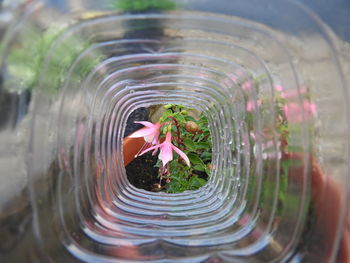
(286, 164)
(194, 159)
(203, 145)
(206, 156)
(206, 133)
(291, 163)
(168, 106)
(282, 128)
(189, 144)
(199, 167)
(165, 115)
(196, 182)
(168, 112)
(190, 118)
(207, 171)
(158, 163)
(293, 148)
(180, 118)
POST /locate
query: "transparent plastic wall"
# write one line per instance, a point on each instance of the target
(73, 71)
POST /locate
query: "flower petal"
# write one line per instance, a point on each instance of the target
(293, 112)
(156, 137)
(141, 133)
(182, 154)
(151, 148)
(293, 93)
(250, 106)
(168, 137)
(145, 123)
(149, 138)
(278, 88)
(155, 152)
(247, 86)
(166, 153)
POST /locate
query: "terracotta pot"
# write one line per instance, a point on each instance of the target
(326, 195)
(327, 199)
(131, 147)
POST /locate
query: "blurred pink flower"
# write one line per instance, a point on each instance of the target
(150, 132)
(292, 93)
(297, 113)
(278, 88)
(247, 86)
(235, 76)
(251, 105)
(166, 151)
(289, 94)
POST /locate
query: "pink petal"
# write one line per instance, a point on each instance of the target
(182, 154)
(247, 86)
(149, 138)
(141, 133)
(168, 137)
(151, 148)
(293, 112)
(290, 94)
(309, 108)
(155, 136)
(166, 153)
(250, 106)
(233, 77)
(296, 113)
(145, 123)
(278, 88)
(155, 152)
(155, 140)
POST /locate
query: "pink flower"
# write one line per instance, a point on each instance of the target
(251, 105)
(166, 151)
(247, 86)
(278, 88)
(150, 132)
(297, 113)
(290, 94)
(235, 76)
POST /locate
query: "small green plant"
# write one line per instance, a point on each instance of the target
(190, 166)
(143, 5)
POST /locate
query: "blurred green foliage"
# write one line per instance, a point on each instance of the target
(31, 55)
(143, 5)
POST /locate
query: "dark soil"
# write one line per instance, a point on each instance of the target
(140, 114)
(141, 172)
(202, 175)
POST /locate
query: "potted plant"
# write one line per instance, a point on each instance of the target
(183, 145)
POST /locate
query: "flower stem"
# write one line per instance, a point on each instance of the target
(179, 140)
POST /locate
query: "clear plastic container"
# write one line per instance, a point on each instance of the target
(270, 76)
